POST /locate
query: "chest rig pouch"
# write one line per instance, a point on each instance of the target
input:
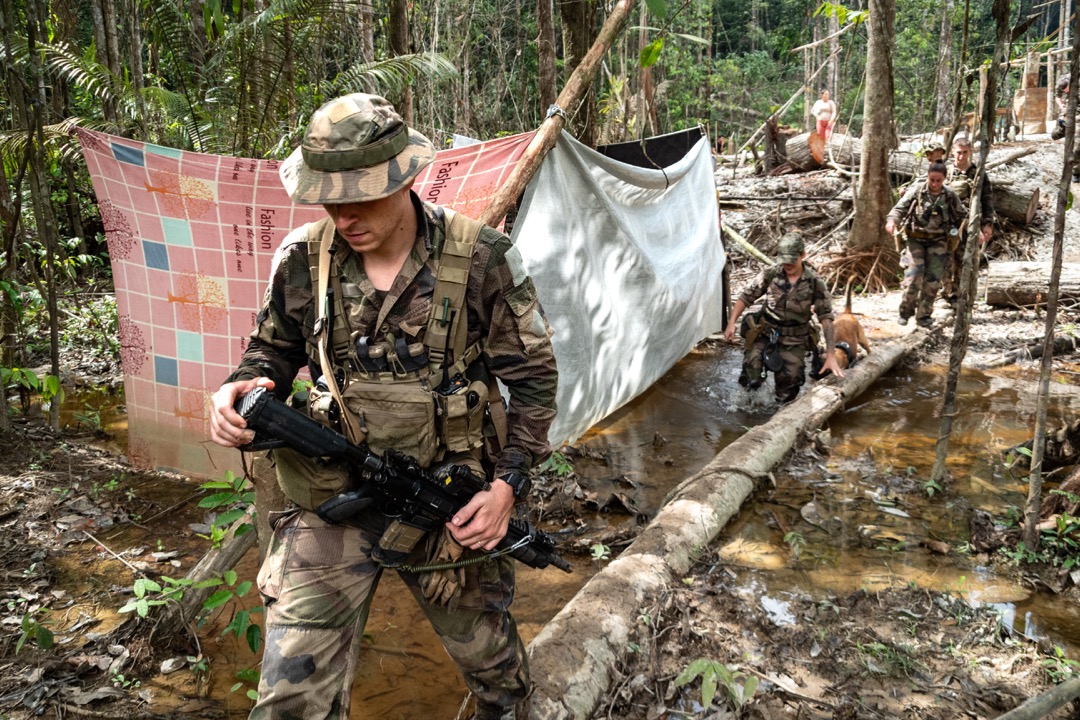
(414, 398)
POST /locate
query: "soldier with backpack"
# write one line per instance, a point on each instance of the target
(405, 313)
(928, 214)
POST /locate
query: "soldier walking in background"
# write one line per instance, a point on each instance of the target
(961, 179)
(778, 336)
(927, 215)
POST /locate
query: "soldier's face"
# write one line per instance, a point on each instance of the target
(962, 155)
(934, 181)
(373, 226)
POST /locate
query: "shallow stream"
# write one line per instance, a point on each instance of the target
(860, 512)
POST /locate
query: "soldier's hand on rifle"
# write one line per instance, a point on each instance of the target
(482, 522)
(227, 428)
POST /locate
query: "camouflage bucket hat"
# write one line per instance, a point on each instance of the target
(355, 149)
(789, 248)
(934, 147)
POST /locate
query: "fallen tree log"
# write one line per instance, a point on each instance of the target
(575, 656)
(1026, 284)
(1018, 203)
(1033, 351)
(804, 152)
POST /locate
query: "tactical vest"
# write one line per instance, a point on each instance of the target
(426, 399)
(919, 215)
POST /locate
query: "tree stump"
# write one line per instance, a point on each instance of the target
(1026, 284)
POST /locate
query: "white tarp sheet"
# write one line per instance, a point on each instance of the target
(627, 262)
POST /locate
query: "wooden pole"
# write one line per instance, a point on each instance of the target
(548, 134)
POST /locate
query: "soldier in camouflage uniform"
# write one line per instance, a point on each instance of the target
(359, 160)
(928, 213)
(961, 179)
(780, 334)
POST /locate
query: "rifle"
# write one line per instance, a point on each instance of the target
(394, 483)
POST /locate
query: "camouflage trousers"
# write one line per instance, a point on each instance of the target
(951, 282)
(317, 583)
(789, 378)
(922, 279)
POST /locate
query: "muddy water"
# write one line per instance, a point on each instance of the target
(861, 512)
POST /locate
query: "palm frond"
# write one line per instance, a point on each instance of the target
(392, 76)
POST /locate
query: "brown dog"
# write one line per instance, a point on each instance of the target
(849, 336)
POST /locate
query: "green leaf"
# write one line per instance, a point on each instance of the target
(651, 53)
(212, 582)
(142, 607)
(657, 7)
(708, 689)
(216, 485)
(52, 385)
(128, 607)
(217, 500)
(217, 599)
(254, 638)
(230, 577)
(228, 517)
(44, 637)
(243, 588)
(144, 585)
(250, 675)
(692, 671)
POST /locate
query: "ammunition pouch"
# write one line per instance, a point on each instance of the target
(394, 414)
(460, 410)
(309, 482)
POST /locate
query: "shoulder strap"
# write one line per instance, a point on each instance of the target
(320, 281)
(321, 234)
(448, 324)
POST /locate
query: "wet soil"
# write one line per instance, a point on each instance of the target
(76, 523)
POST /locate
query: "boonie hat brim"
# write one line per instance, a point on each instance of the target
(330, 187)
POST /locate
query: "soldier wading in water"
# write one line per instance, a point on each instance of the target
(778, 336)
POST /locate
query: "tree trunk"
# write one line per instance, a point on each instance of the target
(969, 272)
(1034, 499)
(575, 657)
(367, 32)
(874, 198)
(834, 64)
(943, 114)
(399, 45)
(545, 48)
(1026, 284)
(40, 196)
(579, 33)
(802, 152)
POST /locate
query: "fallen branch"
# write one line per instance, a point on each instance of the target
(1032, 351)
(1015, 155)
(747, 247)
(1040, 705)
